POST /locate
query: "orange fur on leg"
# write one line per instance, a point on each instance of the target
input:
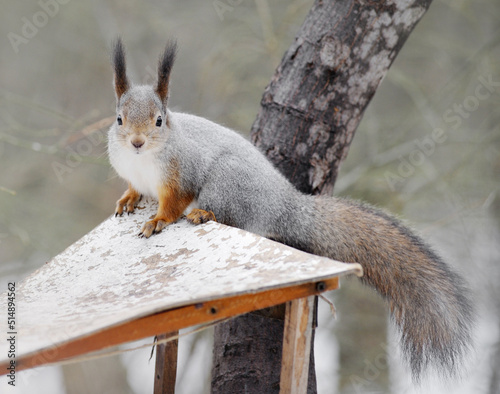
(129, 199)
(172, 202)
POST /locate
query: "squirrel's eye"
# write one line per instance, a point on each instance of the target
(119, 120)
(158, 121)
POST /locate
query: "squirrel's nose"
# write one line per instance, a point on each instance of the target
(137, 141)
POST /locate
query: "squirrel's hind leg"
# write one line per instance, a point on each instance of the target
(200, 216)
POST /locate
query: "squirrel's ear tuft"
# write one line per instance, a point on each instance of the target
(165, 65)
(119, 67)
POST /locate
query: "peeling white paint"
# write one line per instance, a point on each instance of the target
(112, 276)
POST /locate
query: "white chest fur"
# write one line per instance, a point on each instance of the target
(143, 171)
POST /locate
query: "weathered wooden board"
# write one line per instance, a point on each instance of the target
(296, 346)
(111, 277)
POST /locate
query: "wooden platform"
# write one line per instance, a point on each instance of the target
(112, 287)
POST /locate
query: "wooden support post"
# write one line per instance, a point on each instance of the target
(166, 364)
(296, 346)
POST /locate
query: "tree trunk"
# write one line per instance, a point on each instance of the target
(309, 113)
(317, 96)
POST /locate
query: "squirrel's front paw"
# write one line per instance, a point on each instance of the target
(152, 227)
(200, 216)
(129, 200)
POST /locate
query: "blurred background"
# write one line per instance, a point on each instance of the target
(428, 149)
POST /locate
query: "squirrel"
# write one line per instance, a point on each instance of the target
(182, 159)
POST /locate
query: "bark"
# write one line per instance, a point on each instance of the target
(317, 96)
(309, 113)
(247, 359)
(245, 355)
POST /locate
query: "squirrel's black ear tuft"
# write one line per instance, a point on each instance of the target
(165, 65)
(119, 67)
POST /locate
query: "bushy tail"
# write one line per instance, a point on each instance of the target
(428, 301)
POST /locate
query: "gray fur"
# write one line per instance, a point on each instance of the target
(428, 301)
(220, 166)
(227, 175)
